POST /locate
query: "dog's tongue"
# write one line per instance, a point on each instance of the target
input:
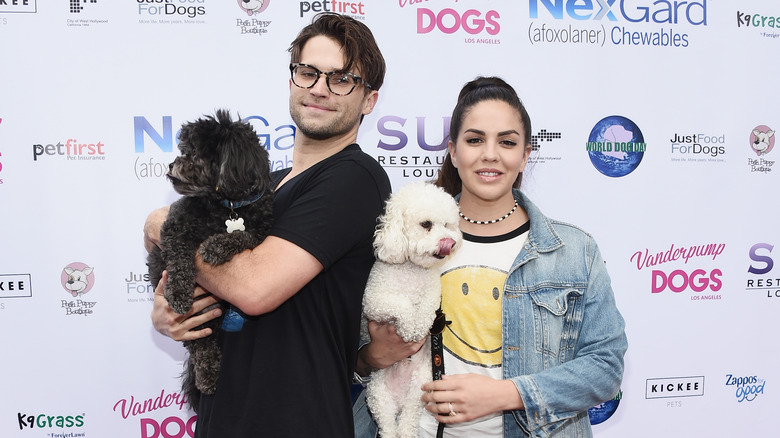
(445, 246)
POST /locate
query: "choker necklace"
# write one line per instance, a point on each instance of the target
(488, 222)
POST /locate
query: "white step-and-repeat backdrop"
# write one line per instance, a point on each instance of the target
(653, 126)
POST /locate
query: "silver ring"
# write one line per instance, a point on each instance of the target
(452, 413)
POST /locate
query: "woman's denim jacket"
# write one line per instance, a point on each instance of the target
(563, 336)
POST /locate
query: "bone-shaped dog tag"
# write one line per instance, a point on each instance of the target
(235, 225)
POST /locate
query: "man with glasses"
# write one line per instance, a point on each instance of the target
(287, 371)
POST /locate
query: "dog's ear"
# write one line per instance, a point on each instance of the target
(243, 160)
(390, 242)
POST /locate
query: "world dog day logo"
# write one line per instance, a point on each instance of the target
(616, 146)
(603, 411)
(77, 279)
(762, 141)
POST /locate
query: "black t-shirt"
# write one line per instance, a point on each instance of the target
(287, 373)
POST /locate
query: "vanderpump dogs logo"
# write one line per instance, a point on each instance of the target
(155, 417)
(479, 26)
(761, 278)
(768, 26)
(249, 22)
(706, 283)
(71, 150)
(668, 387)
(277, 139)
(762, 141)
(413, 147)
(616, 146)
(699, 148)
(168, 12)
(578, 22)
(746, 388)
(15, 286)
(19, 6)
(78, 279)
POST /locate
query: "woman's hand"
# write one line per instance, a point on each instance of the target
(469, 396)
(179, 327)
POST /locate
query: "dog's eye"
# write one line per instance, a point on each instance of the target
(427, 225)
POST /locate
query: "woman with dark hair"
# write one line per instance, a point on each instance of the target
(535, 337)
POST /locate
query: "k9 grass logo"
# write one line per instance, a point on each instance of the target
(746, 388)
(49, 421)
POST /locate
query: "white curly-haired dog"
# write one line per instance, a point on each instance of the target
(415, 235)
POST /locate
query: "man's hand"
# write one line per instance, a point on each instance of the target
(179, 327)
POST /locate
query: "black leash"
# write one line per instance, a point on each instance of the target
(437, 354)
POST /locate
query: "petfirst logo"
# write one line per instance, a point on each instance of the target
(72, 150)
(590, 17)
(19, 6)
(278, 142)
(251, 25)
(171, 11)
(701, 281)
(168, 427)
(139, 289)
(46, 421)
(674, 387)
(536, 146)
(479, 25)
(746, 388)
(77, 279)
(353, 9)
(768, 27)
(760, 266)
(423, 159)
(15, 286)
(616, 146)
(762, 141)
(701, 148)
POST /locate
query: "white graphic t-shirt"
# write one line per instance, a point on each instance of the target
(472, 292)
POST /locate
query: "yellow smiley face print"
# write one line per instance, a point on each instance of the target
(471, 299)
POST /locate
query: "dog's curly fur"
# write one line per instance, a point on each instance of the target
(415, 235)
(221, 168)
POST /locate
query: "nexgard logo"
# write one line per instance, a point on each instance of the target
(666, 14)
(277, 140)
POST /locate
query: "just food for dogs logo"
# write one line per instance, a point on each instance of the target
(252, 25)
(172, 12)
(615, 146)
(78, 279)
(697, 147)
(762, 141)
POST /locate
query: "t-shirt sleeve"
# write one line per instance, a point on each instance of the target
(334, 210)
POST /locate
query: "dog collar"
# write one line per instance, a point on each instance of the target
(231, 205)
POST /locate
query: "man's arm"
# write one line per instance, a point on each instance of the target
(258, 281)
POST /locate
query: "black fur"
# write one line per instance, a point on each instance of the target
(221, 160)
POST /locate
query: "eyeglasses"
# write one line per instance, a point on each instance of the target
(339, 83)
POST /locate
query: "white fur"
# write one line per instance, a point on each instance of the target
(77, 280)
(404, 288)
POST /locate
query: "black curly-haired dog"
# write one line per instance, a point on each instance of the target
(223, 174)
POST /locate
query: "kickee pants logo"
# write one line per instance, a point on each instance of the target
(15, 286)
(19, 6)
(675, 387)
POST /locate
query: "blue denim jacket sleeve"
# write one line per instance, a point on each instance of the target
(564, 338)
